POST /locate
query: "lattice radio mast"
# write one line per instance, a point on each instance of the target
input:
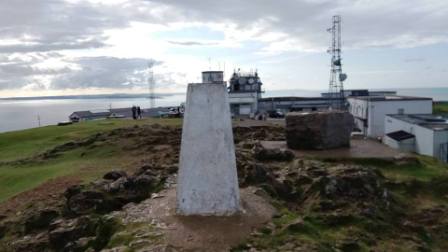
(337, 78)
(151, 85)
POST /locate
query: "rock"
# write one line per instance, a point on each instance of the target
(263, 154)
(296, 225)
(40, 219)
(114, 175)
(31, 243)
(406, 159)
(144, 182)
(81, 244)
(85, 202)
(117, 185)
(146, 169)
(72, 190)
(71, 230)
(318, 130)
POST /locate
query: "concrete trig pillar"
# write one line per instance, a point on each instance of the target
(207, 182)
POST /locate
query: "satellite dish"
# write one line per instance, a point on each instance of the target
(337, 62)
(342, 77)
(242, 81)
(251, 81)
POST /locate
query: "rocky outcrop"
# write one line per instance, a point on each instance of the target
(263, 154)
(318, 130)
(81, 223)
(112, 193)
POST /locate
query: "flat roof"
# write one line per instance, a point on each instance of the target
(295, 98)
(400, 135)
(430, 121)
(390, 98)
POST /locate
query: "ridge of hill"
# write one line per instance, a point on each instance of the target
(88, 187)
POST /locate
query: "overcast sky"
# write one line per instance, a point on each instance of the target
(53, 47)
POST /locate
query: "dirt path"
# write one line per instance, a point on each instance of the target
(200, 233)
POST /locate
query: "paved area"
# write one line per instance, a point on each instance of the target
(360, 148)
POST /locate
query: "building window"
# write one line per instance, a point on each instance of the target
(401, 111)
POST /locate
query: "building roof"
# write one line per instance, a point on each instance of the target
(400, 135)
(430, 121)
(294, 98)
(126, 112)
(390, 98)
(82, 113)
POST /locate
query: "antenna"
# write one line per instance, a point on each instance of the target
(151, 85)
(337, 78)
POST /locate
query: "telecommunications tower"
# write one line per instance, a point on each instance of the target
(337, 78)
(151, 85)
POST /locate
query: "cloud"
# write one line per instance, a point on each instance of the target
(105, 72)
(192, 43)
(380, 23)
(62, 44)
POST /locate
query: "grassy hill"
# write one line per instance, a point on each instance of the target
(337, 204)
(23, 164)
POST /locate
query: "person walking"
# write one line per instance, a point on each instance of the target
(134, 112)
(139, 112)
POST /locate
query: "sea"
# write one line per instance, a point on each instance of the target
(31, 112)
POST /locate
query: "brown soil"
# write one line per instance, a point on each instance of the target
(200, 233)
(49, 193)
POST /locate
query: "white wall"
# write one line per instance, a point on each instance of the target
(358, 108)
(378, 110)
(407, 145)
(424, 137)
(440, 137)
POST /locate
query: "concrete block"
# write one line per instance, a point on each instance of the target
(207, 182)
(319, 130)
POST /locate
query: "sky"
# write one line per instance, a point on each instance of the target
(69, 47)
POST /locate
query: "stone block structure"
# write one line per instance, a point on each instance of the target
(319, 130)
(207, 179)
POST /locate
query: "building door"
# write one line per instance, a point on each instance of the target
(245, 109)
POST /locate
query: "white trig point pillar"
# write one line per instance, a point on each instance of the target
(207, 182)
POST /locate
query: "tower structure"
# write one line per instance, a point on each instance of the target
(151, 85)
(337, 77)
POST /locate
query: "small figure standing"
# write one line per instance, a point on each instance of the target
(139, 112)
(134, 112)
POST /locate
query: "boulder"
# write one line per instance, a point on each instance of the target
(263, 154)
(114, 175)
(318, 130)
(68, 231)
(31, 243)
(40, 219)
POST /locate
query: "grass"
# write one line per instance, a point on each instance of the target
(425, 169)
(26, 143)
(81, 163)
(440, 108)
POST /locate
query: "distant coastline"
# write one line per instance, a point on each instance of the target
(19, 113)
(98, 96)
(437, 93)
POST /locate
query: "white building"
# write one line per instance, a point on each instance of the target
(244, 93)
(424, 134)
(369, 111)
